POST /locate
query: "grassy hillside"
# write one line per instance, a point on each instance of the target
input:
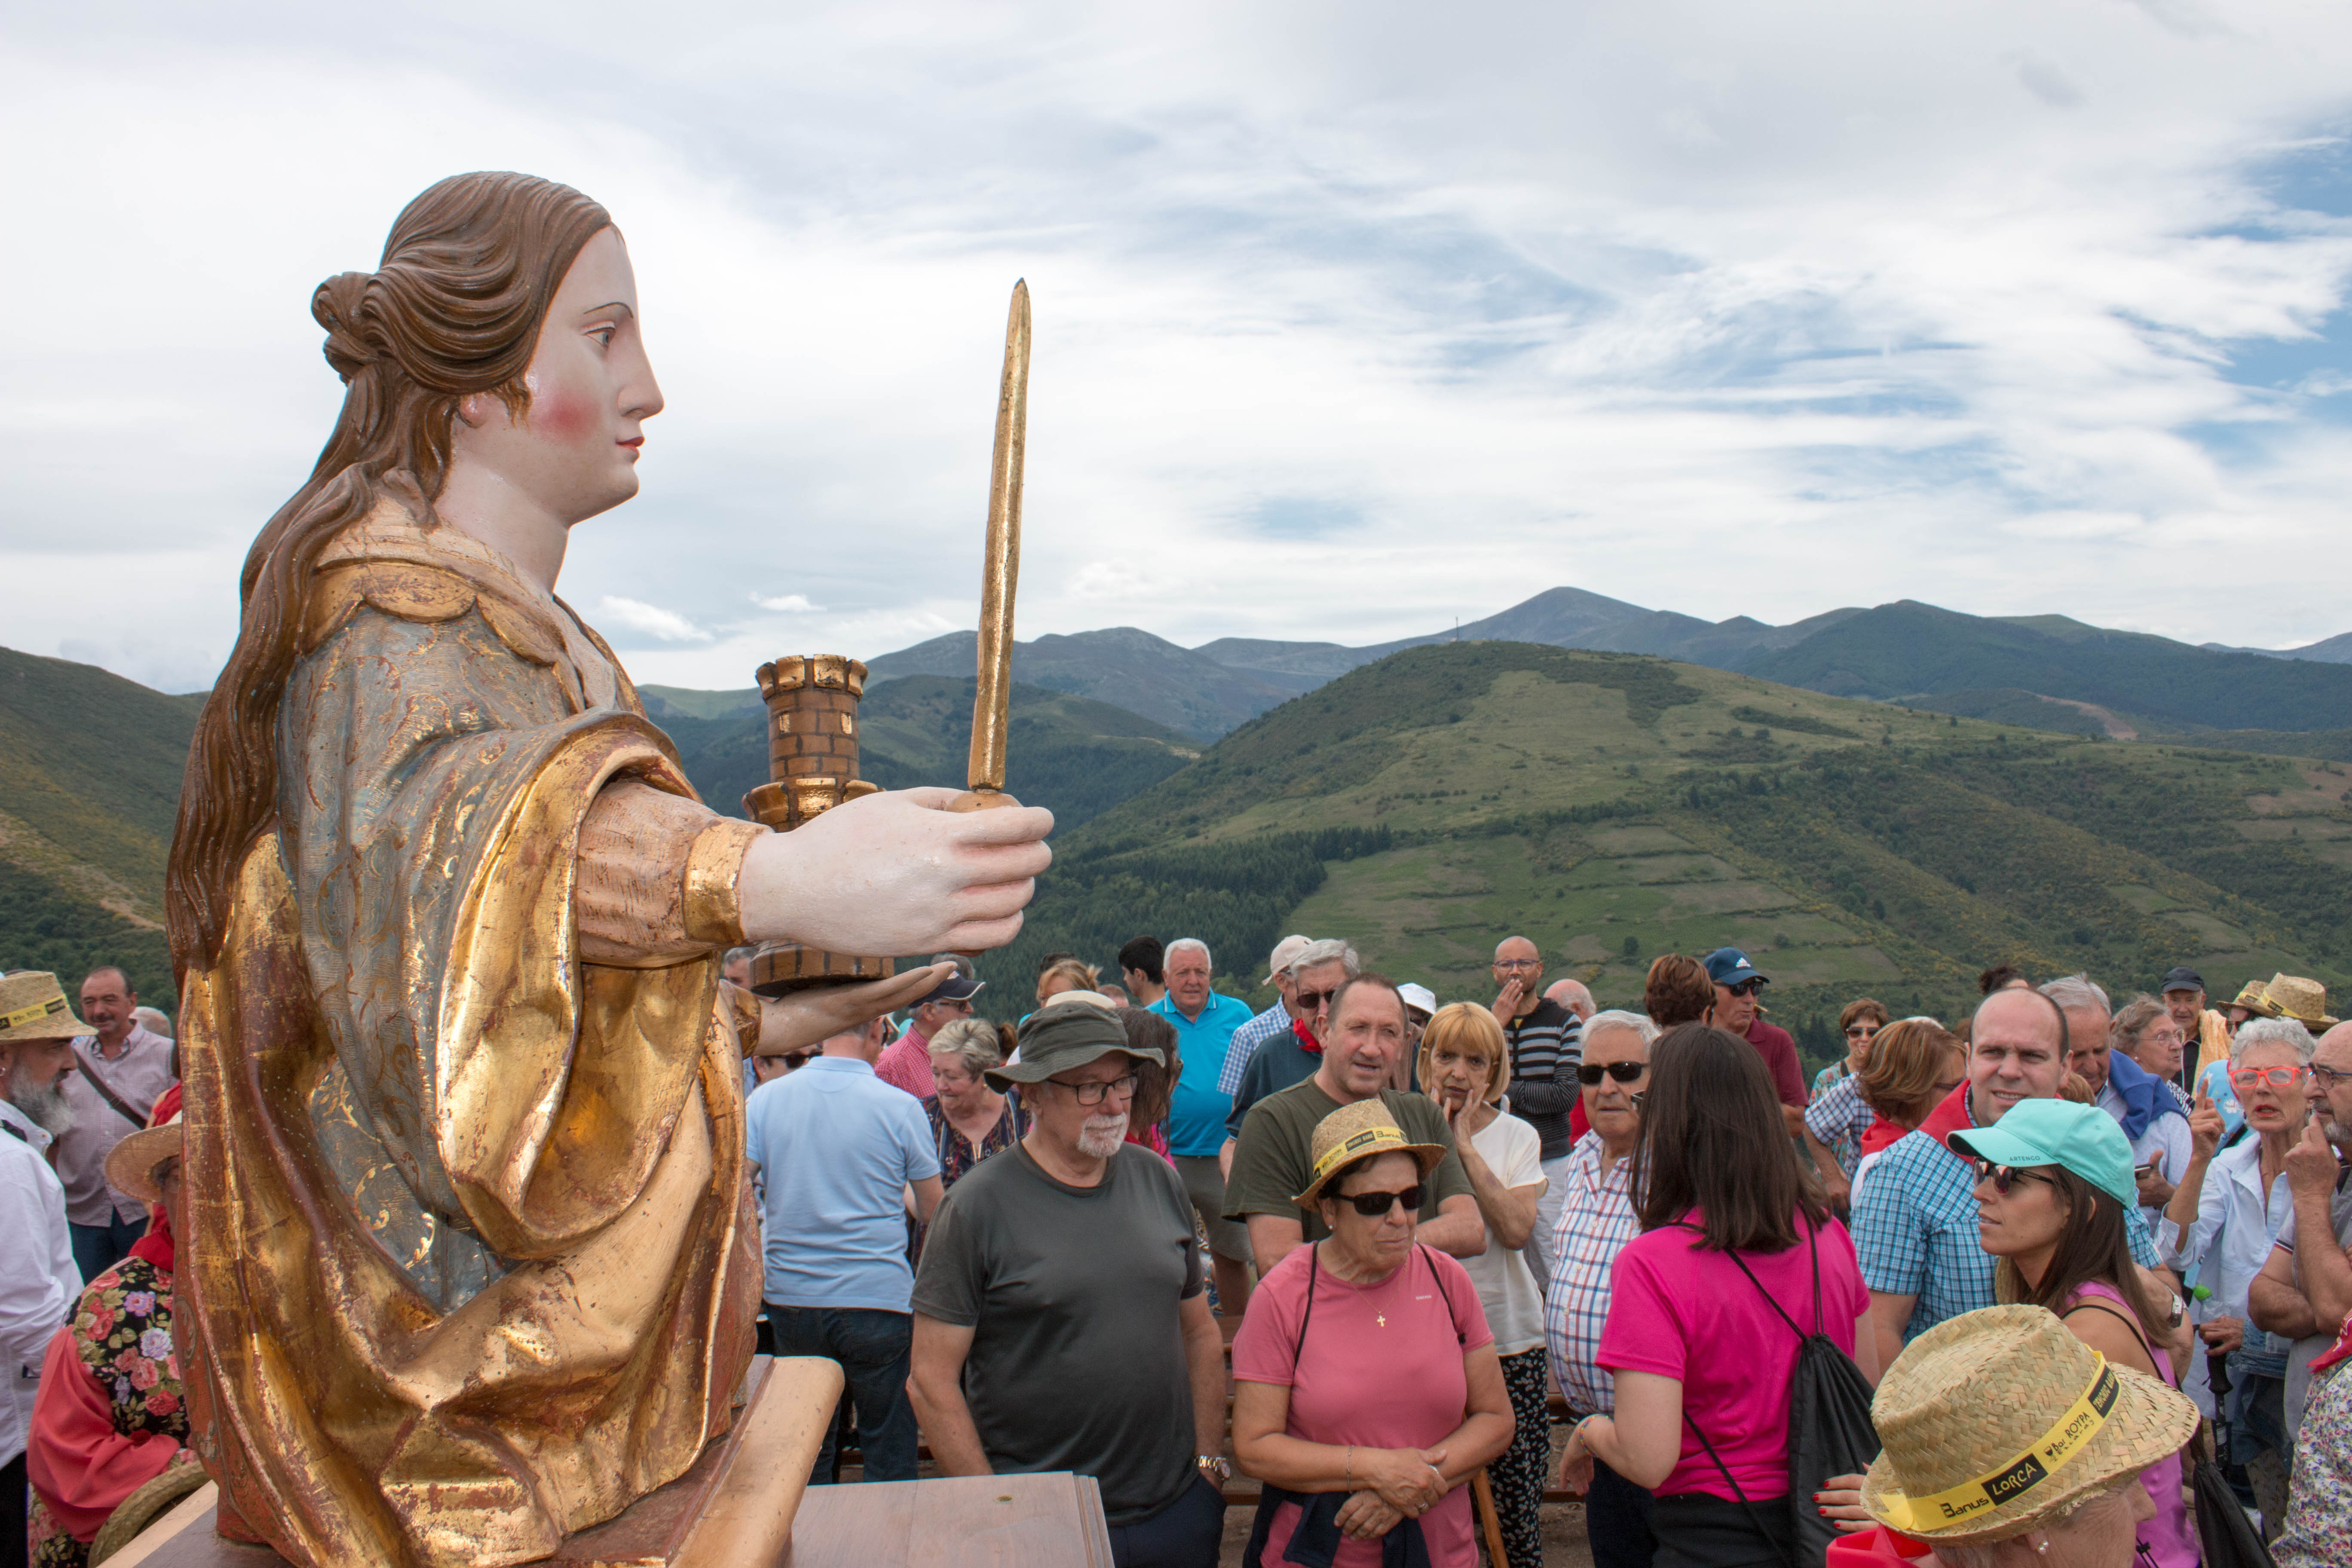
(90, 780)
(1613, 807)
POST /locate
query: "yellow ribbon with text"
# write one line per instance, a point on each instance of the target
(2066, 1438)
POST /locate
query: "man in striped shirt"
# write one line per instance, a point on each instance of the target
(1268, 1025)
(1546, 1045)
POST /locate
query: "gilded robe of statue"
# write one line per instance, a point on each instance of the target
(468, 1263)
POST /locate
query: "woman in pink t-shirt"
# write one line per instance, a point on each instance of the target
(1696, 1347)
(1366, 1387)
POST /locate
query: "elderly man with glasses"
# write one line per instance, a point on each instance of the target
(1061, 1320)
(2305, 1290)
(908, 1063)
(1739, 1011)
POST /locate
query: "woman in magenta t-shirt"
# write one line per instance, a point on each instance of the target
(1689, 1334)
(1366, 1387)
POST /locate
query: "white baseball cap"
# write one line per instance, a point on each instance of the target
(1285, 950)
(1420, 998)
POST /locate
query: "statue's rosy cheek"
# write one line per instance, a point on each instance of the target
(563, 415)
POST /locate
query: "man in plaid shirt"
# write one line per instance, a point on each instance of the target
(1596, 1221)
(1269, 1024)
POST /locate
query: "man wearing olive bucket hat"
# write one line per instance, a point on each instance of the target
(38, 1028)
(2012, 1444)
(1061, 1316)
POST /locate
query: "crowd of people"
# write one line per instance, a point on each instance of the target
(1408, 1264)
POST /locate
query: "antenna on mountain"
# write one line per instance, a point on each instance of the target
(1457, 628)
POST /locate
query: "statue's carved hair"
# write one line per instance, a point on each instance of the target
(453, 309)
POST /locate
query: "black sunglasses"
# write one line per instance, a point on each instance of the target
(1372, 1205)
(1746, 988)
(1590, 1073)
(1312, 1001)
(2005, 1177)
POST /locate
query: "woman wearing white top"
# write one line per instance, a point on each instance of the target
(1463, 1064)
(2226, 1213)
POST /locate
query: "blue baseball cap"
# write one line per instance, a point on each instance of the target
(1730, 966)
(2081, 1138)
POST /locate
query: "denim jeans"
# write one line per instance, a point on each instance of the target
(99, 1247)
(873, 1348)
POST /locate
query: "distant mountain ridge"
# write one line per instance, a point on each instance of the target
(1903, 652)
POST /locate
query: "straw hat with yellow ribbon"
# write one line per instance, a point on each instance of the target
(2305, 1001)
(33, 1006)
(1353, 1132)
(131, 1165)
(2250, 997)
(1995, 1421)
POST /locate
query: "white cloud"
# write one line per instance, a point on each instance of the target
(1349, 319)
(651, 619)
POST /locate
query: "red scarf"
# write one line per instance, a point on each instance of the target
(1949, 1117)
(1307, 1040)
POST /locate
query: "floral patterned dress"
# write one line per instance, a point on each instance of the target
(124, 1418)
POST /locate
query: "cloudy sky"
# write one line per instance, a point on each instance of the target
(1350, 318)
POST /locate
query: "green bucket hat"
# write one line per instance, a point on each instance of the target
(2082, 1138)
(1064, 1035)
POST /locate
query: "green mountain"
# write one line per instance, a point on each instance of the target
(1613, 807)
(1073, 755)
(89, 782)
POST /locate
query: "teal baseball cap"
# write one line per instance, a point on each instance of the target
(2083, 1138)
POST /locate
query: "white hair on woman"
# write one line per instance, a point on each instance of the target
(970, 1041)
(2273, 1032)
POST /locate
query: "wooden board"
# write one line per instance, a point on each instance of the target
(735, 1505)
(1052, 1520)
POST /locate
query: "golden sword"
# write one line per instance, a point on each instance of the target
(999, 572)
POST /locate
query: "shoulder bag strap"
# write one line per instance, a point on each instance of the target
(2094, 1304)
(1767, 1295)
(1305, 1312)
(1753, 1517)
(1460, 1338)
(106, 1090)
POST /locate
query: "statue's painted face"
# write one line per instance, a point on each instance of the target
(573, 453)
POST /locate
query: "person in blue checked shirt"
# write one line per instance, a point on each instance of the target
(1915, 1226)
(1204, 1023)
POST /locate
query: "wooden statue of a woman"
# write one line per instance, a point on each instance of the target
(468, 1263)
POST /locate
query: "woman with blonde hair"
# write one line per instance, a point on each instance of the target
(1463, 1064)
(1066, 974)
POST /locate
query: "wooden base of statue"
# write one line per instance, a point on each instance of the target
(735, 1505)
(812, 768)
(1052, 1520)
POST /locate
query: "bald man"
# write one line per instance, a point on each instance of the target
(1547, 1043)
(1572, 995)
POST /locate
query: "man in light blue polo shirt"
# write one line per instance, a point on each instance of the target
(836, 1148)
(1204, 1023)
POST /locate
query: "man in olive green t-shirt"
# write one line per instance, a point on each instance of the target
(1272, 1164)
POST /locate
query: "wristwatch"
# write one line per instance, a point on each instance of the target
(1215, 1466)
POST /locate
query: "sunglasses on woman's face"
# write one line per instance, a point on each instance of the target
(2254, 1077)
(1862, 1032)
(2005, 1177)
(1372, 1205)
(1590, 1073)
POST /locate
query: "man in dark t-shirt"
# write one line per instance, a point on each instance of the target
(1061, 1320)
(1273, 1161)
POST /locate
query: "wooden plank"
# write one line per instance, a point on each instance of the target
(1052, 1520)
(196, 1505)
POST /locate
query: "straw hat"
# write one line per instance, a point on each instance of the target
(2252, 999)
(1997, 1419)
(1353, 1132)
(33, 1006)
(131, 1164)
(2305, 1001)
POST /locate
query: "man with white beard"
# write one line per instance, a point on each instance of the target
(1061, 1322)
(39, 1285)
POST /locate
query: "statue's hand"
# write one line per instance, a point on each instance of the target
(896, 872)
(815, 1013)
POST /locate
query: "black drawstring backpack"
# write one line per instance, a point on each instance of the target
(1829, 1431)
